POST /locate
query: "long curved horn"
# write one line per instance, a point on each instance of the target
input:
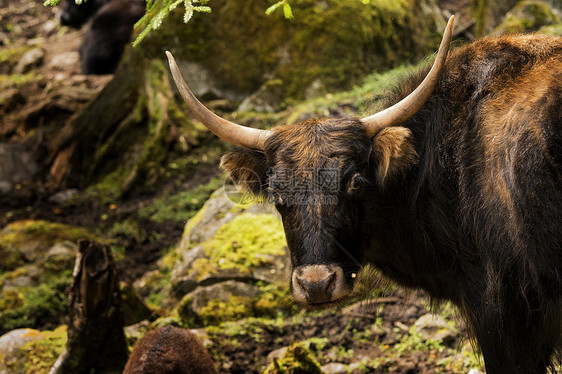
(408, 106)
(246, 137)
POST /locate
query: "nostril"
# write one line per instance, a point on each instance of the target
(330, 282)
(318, 290)
(302, 284)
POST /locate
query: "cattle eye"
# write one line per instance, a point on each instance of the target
(356, 182)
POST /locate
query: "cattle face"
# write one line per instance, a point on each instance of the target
(318, 174)
(75, 15)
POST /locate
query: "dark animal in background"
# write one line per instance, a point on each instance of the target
(107, 33)
(455, 188)
(169, 350)
(76, 15)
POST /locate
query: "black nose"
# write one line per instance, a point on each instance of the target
(318, 284)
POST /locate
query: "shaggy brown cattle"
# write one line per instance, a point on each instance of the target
(455, 188)
(169, 350)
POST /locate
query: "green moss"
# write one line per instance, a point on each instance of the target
(273, 299)
(129, 228)
(528, 15)
(41, 354)
(158, 288)
(242, 244)
(10, 258)
(296, 360)
(11, 299)
(10, 56)
(235, 308)
(336, 41)
(42, 233)
(182, 206)
(41, 304)
(108, 189)
(412, 341)
(479, 10)
(18, 80)
(552, 29)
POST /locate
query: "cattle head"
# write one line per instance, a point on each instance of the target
(75, 15)
(318, 173)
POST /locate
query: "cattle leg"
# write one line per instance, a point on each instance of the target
(509, 345)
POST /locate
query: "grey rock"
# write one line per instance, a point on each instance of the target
(267, 98)
(31, 59)
(334, 368)
(275, 355)
(217, 211)
(431, 326)
(475, 371)
(182, 280)
(221, 291)
(29, 278)
(17, 165)
(62, 197)
(64, 61)
(49, 27)
(10, 349)
(11, 98)
(62, 249)
(315, 89)
(203, 84)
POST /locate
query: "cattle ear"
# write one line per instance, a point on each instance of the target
(393, 152)
(247, 168)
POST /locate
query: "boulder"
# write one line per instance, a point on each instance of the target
(17, 165)
(230, 300)
(267, 98)
(296, 359)
(434, 327)
(334, 368)
(528, 16)
(225, 241)
(11, 357)
(30, 60)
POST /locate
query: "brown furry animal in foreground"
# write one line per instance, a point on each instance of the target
(169, 350)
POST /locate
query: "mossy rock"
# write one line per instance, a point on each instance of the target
(225, 301)
(44, 305)
(41, 354)
(488, 14)
(133, 307)
(336, 41)
(32, 238)
(552, 29)
(527, 16)
(297, 359)
(232, 301)
(10, 56)
(242, 247)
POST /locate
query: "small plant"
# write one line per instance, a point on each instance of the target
(287, 11)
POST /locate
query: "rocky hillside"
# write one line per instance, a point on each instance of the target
(117, 160)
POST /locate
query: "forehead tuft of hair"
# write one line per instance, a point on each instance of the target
(310, 143)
